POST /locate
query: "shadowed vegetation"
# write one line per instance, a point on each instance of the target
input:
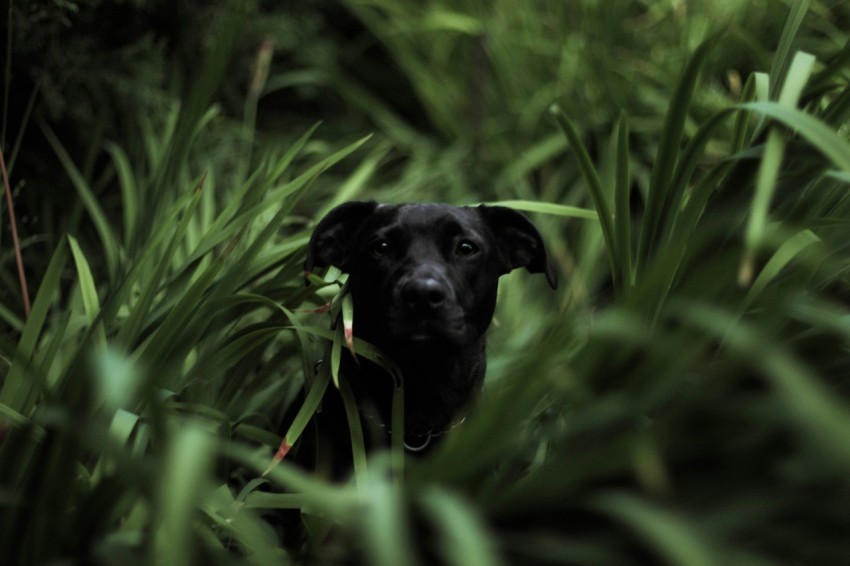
(682, 399)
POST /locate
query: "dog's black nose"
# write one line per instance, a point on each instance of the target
(427, 293)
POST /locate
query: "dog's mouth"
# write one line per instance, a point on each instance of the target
(428, 331)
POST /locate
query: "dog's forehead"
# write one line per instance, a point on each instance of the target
(426, 218)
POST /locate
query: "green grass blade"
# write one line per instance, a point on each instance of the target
(667, 534)
(688, 161)
(830, 143)
(547, 208)
(184, 483)
(129, 190)
(659, 204)
(302, 418)
(463, 536)
(88, 290)
(196, 106)
(132, 327)
(782, 57)
(594, 185)
(768, 173)
(796, 79)
(355, 430)
(786, 253)
(809, 404)
(17, 391)
(336, 354)
(98, 216)
(385, 531)
(118, 378)
(742, 119)
(532, 159)
(622, 212)
(10, 318)
(296, 186)
(356, 182)
(249, 531)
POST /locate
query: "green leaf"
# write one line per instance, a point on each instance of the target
(669, 535)
(10, 318)
(463, 535)
(184, 482)
(386, 535)
(355, 429)
(796, 78)
(808, 403)
(257, 543)
(310, 405)
(622, 212)
(786, 253)
(88, 291)
(781, 59)
(118, 379)
(660, 202)
(594, 185)
(765, 187)
(336, 353)
(98, 216)
(129, 190)
(547, 208)
(140, 310)
(821, 136)
(19, 388)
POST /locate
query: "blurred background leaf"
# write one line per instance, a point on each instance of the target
(683, 398)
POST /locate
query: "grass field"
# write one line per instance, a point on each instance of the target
(681, 399)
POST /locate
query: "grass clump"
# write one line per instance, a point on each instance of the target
(682, 400)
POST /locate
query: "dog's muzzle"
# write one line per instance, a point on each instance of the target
(425, 309)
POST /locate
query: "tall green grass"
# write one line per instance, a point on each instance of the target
(683, 399)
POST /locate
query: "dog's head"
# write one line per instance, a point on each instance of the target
(425, 276)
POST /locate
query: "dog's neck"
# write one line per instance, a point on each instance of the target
(438, 385)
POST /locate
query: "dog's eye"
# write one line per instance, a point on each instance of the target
(380, 248)
(466, 248)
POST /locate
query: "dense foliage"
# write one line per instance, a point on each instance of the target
(682, 399)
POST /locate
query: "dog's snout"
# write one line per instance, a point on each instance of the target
(426, 292)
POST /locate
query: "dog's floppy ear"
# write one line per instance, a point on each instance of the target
(519, 241)
(331, 241)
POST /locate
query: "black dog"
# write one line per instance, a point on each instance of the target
(423, 279)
